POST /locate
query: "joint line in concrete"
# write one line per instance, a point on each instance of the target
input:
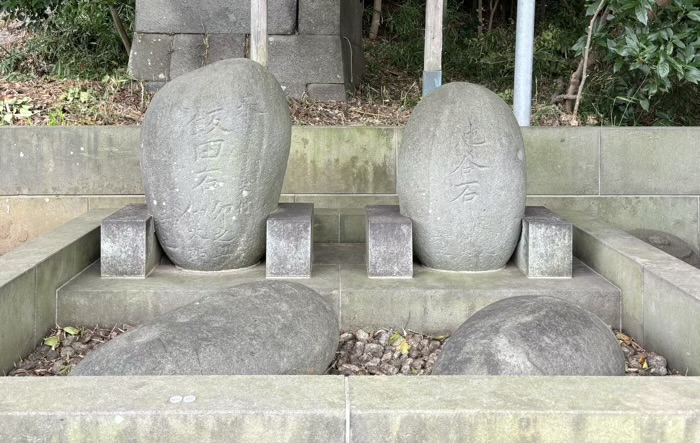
(347, 408)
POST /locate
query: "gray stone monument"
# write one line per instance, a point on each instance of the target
(389, 243)
(461, 179)
(545, 246)
(129, 247)
(290, 241)
(214, 149)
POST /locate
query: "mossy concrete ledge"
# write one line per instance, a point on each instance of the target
(660, 294)
(30, 276)
(351, 409)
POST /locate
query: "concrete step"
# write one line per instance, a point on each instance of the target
(350, 409)
(433, 302)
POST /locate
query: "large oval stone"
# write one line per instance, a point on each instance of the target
(461, 179)
(532, 335)
(214, 150)
(264, 328)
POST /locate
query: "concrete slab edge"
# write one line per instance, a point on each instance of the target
(354, 409)
(660, 293)
(31, 274)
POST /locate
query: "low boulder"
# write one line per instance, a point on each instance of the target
(532, 335)
(263, 328)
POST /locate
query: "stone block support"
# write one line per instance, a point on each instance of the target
(389, 242)
(290, 241)
(129, 246)
(545, 246)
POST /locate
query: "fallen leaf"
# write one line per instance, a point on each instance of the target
(643, 362)
(405, 348)
(626, 339)
(394, 338)
(71, 330)
(52, 341)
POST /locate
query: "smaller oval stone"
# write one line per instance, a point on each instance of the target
(264, 328)
(532, 335)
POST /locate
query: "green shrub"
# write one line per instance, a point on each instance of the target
(75, 38)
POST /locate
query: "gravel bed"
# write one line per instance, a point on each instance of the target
(380, 352)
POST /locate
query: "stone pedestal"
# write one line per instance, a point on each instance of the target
(389, 243)
(129, 244)
(545, 246)
(290, 241)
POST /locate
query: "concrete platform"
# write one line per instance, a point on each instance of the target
(432, 302)
(350, 409)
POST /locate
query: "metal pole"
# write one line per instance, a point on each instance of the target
(432, 53)
(258, 31)
(524, 43)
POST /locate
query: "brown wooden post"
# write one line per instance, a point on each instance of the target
(258, 31)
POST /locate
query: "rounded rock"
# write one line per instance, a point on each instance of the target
(264, 328)
(214, 150)
(532, 335)
(461, 179)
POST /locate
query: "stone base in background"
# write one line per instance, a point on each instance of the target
(129, 244)
(389, 242)
(319, 54)
(545, 246)
(432, 302)
(290, 241)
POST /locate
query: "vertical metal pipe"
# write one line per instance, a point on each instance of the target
(524, 46)
(258, 31)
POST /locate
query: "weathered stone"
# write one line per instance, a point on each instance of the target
(188, 54)
(211, 16)
(532, 335)
(545, 246)
(223, 46)
(351, 20)
(215, 144)
(265, 328)
(389, 243)
(290, 241)
(461, 179)
(150, 57)
(326, 92)
(129, 247)
(320, 17)
(321, 55)
(669, 243)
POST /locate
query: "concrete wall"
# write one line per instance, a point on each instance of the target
(629, 177)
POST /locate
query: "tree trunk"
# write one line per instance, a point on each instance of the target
(480, 9)
(120, 28)
(376, 18)
(493, 5)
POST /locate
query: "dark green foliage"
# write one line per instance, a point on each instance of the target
(73, 38)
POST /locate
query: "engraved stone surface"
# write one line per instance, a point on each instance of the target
(290, 241)
(532, 335)
(263, 328)
(545, 246)
(389, 242)
(461, 179)
(214, 150)
(129, 247)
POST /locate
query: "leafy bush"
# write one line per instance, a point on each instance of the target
(650, 49)
(75, 38)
